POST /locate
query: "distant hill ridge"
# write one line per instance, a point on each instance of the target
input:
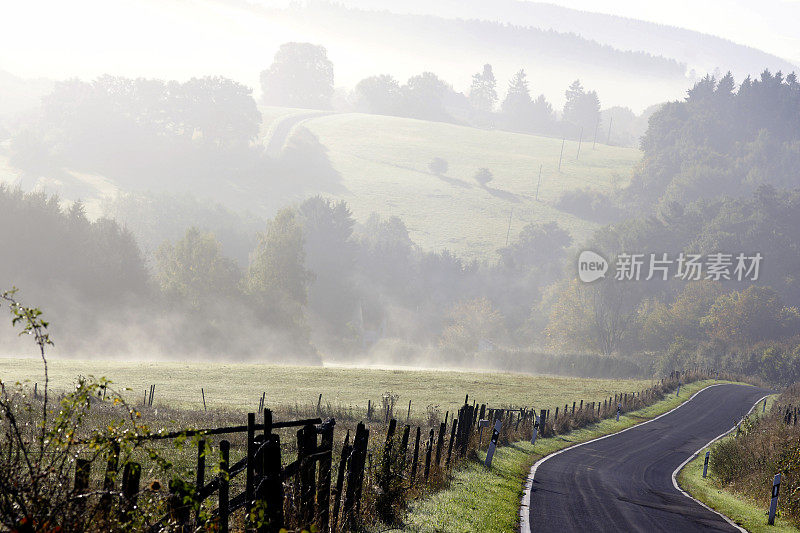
(699, 51)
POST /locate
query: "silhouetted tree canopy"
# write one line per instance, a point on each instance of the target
(301, 75)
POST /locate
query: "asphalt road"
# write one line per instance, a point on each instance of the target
(623, 483)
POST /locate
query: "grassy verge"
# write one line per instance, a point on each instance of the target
(748, 513)
(481, 500)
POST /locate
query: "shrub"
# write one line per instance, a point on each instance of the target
(438, 166)
(483, 176)
(43, 441)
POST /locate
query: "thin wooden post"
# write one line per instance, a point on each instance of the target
(306, 448)
(131, 475)
(538, 183)
(561, 156)
(200, 478)
(404, 447)
(324, 486)
(355, 477)
(383, 503)
(178, 510)
(250, 463)
(416, 457)
(83, 468)
(450, 443)
(428, 450)
(224, 485)
(109, 477)
(337, 496)
(439, 442)
(408, 415)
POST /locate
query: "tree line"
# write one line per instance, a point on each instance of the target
(302, 75)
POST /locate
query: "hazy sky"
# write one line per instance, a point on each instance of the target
(183, 38)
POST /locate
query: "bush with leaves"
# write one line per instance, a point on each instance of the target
(41, 441)
(483, 176)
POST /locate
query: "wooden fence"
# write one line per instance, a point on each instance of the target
(307, 490)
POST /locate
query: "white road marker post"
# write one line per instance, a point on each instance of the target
(619, 410)
(493, 444)
(705, 464)
(773, 505)
(535, 428)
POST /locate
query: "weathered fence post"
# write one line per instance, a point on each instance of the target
(416, 457)
(450, 443)
(408, 415)
(705, 464)
(131, 475)
(542, 422)
(404, 447)
(428, 450)
(355, 477)
(178, 510)
(535, 428)
(224, 485)
(200, 478)
(306, 448)
(272, 490)
(324, 486)
(337, 497)
(773, 504)
(83, 468)
(109, 477)
(250, 464)
(383, 503)
(440, 442)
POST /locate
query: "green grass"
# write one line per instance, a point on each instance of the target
(750, 514)
(384, 166)
(239, 386)
(488, 501)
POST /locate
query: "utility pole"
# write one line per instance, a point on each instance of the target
(610, 122)
(539, 182)
(580, 140)
(508, 233)
(597, 127)
(562, 153)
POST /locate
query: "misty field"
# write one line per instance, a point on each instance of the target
(239, 386)
(383, 162)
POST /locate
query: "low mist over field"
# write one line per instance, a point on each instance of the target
(403, 185)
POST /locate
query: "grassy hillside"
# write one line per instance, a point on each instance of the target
(239, 386)
(383, 163)
(384, 166)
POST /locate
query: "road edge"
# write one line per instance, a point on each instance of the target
(524, 521)
(695, 454)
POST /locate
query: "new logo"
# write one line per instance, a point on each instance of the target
(591, 266)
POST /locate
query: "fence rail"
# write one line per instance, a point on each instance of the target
(313, 489)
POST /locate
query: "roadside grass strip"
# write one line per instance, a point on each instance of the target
(746, 512)
(489, 500)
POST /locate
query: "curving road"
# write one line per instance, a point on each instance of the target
(624, 483)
